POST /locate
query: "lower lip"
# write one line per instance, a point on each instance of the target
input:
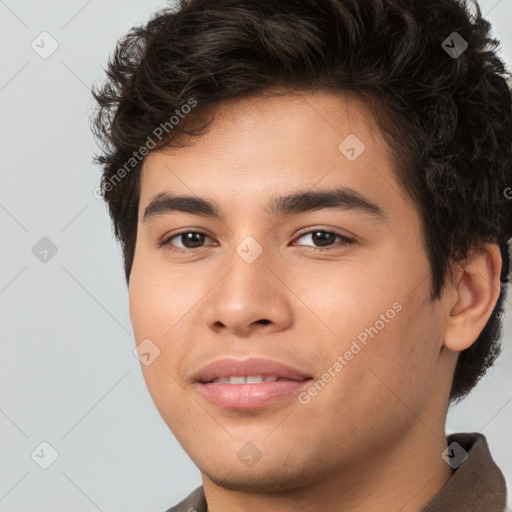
(250, 396)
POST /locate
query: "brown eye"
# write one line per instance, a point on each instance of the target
(325, 239)
(189, 240)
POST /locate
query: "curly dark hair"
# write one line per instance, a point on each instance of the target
(446, 117)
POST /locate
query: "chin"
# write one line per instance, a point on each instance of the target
(261, 480)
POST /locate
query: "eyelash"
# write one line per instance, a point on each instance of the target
(167, 242)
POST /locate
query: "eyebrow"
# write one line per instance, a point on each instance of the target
(341, 198)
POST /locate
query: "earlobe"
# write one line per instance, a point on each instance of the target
(476, 292)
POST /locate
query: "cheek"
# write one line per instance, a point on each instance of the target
(401, 360)
(389, 378)
(159, 301)
(154, 313)
(386, 335)
(350, 294)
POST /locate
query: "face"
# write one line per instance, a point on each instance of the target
(335, 287)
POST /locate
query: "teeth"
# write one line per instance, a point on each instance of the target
(255, 379)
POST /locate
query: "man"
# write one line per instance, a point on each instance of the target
(311, 197)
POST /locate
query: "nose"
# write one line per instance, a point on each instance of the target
(251, 296)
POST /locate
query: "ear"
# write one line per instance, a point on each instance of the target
(475, 293)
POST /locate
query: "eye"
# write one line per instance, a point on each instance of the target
(191, 240)
(326, 238)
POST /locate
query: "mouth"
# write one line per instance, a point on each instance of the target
(249, 384)
(252, 379)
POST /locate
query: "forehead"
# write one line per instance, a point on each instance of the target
(262, 146)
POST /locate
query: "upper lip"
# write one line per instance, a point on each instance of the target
(228, 367)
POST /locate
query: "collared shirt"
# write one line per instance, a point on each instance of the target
(477, 484)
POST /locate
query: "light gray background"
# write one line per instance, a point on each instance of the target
(68, 374)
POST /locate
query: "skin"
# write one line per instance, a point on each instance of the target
(372, 438)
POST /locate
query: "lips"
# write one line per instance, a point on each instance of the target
(249, 384)
(229, 367)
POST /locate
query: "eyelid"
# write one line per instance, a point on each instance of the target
(167, 238)
(334, 231)
(346, 239)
